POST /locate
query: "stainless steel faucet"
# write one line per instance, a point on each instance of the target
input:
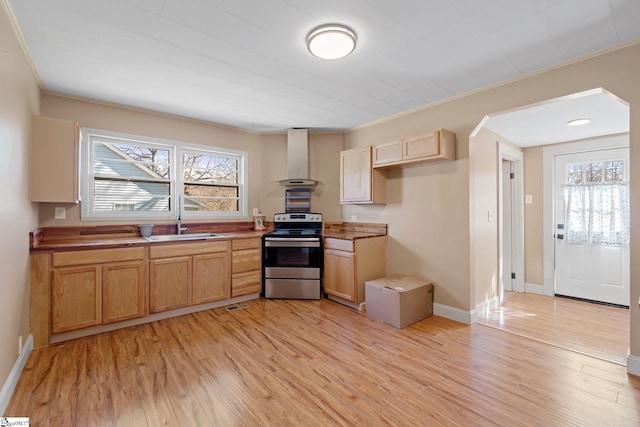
(179, 226)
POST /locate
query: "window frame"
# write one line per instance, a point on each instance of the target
(176, 183)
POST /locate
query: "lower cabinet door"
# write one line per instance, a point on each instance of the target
(123, 291)
(211, 277)
(339, 274)
(76, 298)
(169, 283)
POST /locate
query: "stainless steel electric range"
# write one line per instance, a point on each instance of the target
(293, 257)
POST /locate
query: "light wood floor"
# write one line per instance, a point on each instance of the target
(596, 330)
(310, 363)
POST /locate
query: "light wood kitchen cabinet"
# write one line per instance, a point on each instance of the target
(95, 287)
(348, 264)
(432, 146)
(188, 273)
(359, 182)
(55, 160)
(210, 277)
(76, 298)
(124, 291)
(169, 283)
(246, 270)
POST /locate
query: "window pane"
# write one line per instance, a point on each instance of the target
(614, 171)
(130, 160)
(593, 172)
(211, 198)
(120, 195)
(210, 168)
(574, 173)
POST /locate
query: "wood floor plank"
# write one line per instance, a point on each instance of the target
(597, 330)
(293, 363)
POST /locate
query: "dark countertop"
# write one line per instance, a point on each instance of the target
(98, 242)
(350, 235)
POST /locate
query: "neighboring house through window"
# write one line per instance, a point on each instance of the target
(132, 177)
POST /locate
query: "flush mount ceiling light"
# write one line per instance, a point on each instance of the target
(578, 122)
(331, 41)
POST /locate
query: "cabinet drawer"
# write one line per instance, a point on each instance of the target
(246, 260)
(183, 249)
(97, 256)
(245, 283)
(339, 244)
(240, 244)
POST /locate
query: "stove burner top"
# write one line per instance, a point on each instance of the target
(297, 225)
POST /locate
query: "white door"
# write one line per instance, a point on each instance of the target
(591, 225)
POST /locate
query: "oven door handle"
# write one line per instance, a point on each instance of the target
(304, 242)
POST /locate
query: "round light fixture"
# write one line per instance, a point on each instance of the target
(578, 122)
(331, 41)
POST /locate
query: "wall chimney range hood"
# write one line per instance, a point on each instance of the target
(298, 160)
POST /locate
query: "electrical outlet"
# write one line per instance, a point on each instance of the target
(354, 217)
(19, 345)
(61, 213)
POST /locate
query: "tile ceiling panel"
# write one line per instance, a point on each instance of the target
(245, 63)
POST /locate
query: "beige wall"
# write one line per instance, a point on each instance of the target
(533, 215)
(483, 198)
(324, 166)
(19, 99)
(266, 153)
(429, 221)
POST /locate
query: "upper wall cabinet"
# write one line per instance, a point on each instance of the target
(432, 146)
(55, 160)
(359, 182)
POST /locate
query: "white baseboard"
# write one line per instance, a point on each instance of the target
(452, 313)
(633, 365)
(12, 381)
(485, 307)
(534, 289)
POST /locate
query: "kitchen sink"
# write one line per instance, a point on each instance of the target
(173, 237)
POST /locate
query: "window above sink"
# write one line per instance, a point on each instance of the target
(133, 177)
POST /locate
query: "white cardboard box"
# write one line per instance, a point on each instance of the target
(399, 300)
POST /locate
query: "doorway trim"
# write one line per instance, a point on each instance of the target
(515, 156)
(549, 154)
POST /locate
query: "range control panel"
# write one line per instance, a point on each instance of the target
(297, 217)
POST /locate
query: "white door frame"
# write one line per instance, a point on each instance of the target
(507, 227)
(549, 154)
(510, 154)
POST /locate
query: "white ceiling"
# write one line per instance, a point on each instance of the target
(546, 122)
(245, 63)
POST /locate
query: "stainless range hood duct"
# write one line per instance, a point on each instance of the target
(298, 160)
